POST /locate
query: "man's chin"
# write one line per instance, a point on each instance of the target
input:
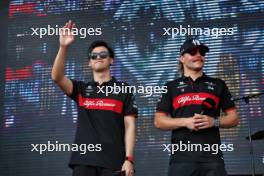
(99, 70)
(198, 69)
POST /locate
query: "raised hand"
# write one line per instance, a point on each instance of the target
(66, 34)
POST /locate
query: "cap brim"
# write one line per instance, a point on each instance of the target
(201, 47)
(204, 48)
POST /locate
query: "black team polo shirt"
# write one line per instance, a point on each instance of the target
(183, 99)
(101, 121)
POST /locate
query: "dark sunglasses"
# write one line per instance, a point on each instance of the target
(102, 55)
(194, 51)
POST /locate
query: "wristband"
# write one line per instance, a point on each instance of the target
(217, 122)
(130, 159)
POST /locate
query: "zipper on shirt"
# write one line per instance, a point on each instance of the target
(190, 80)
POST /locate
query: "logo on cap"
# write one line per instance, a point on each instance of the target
(196, 42)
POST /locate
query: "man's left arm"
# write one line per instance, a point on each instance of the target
(229, 120)
(130, 115)
(130, 139)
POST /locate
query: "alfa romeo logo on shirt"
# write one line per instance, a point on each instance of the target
(185, 99)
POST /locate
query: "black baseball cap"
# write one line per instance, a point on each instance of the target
(192, 43)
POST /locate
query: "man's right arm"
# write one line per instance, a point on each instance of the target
(164, 122)
(58, 69)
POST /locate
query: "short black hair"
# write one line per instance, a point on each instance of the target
(98, 43)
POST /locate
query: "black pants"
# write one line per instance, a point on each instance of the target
(81, 170)
(197, 169)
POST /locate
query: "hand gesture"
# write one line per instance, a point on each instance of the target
(203, 121)
(190, 124)
(66, 34)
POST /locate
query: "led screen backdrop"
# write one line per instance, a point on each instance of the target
(36, 111)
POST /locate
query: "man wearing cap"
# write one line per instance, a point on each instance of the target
(106, 123)
(195, 129)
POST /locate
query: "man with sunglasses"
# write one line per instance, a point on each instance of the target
(106, 123)
(195, 128)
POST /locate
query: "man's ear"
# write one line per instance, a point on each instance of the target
(181, 59)
(89, 63)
